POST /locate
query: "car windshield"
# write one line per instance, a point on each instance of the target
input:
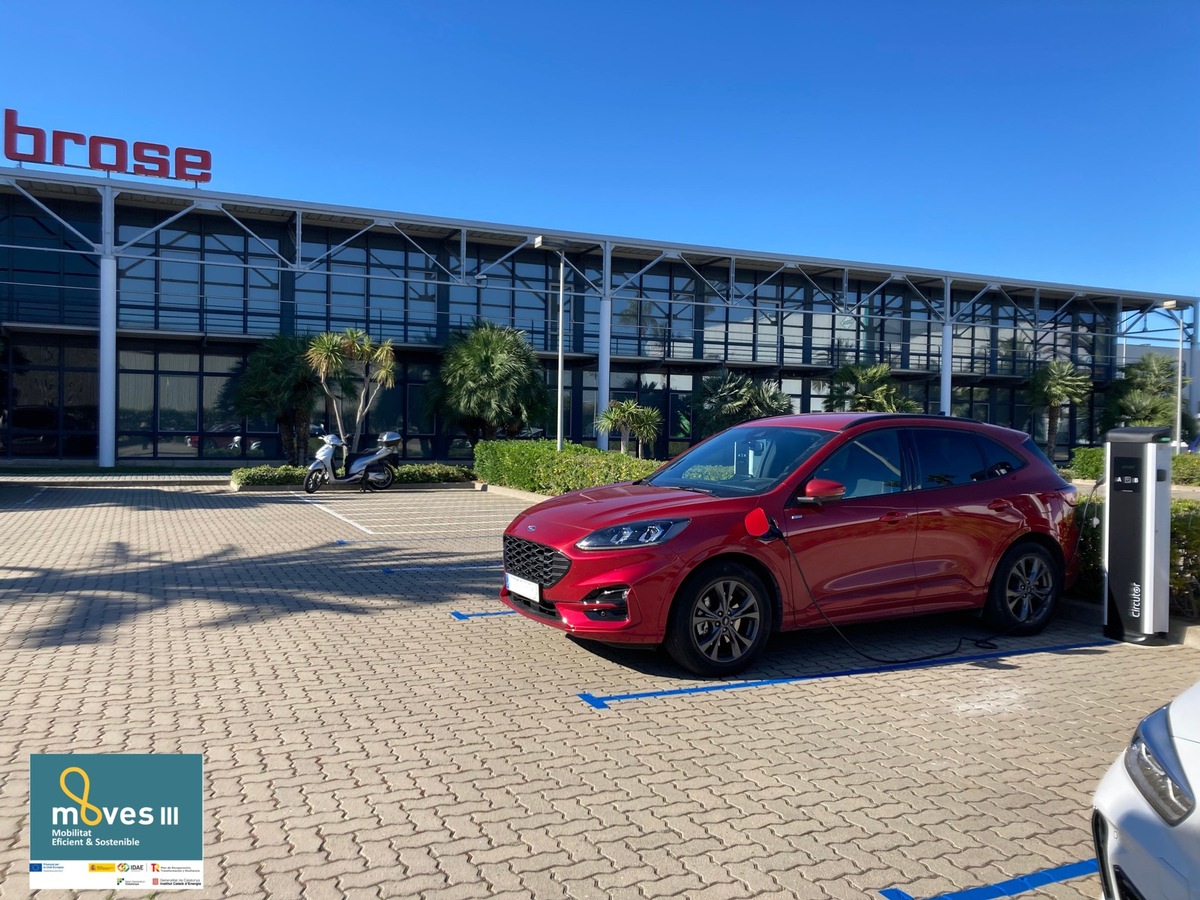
(747, 459)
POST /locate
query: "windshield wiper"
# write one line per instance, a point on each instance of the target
(689, 487)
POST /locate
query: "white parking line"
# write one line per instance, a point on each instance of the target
(419, 518)
(336, 515)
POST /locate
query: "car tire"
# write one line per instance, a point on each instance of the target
(379, 477)
(720, 620)
(313, 480)
(1024, 590)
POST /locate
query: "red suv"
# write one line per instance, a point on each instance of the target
(801, 521)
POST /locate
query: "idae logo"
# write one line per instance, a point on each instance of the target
(92, 815)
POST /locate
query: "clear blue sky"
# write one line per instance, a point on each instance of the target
(1043, 139)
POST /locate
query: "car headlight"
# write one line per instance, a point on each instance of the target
(1154, 766)
(635, 534)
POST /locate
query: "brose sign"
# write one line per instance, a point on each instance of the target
(25, 143)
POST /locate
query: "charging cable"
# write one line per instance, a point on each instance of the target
(765, 528)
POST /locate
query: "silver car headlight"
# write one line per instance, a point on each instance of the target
(634, 534)
(1154, 766)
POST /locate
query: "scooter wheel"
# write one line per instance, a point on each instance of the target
(379, 477)
(313, 480)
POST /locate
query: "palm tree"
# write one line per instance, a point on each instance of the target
(278, 382)
(1057, 384)
(490, 379)
(866, 388)
(1139, 408)
(1154, 372)
(647, 422)
(352, 354)
(728, 399)
(1144, 395)
(621, 415)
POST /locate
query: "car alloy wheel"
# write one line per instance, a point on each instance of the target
(1024, 590)
(720, 620)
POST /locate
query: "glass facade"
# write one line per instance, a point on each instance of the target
(197, 287)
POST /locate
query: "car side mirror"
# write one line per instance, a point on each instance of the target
(819, 490)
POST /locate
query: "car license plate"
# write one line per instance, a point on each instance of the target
(530, 590)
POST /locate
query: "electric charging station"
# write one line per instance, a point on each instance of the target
(1136, 549)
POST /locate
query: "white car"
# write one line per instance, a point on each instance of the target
(1144, 824)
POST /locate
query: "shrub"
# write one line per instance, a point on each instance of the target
(268, 475)
(415, 473)
(510, 463)
(432, 473)
(1185, 554)
(539, 467)
(1087, 463)
(1185, 469)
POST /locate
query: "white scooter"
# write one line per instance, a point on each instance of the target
(370, 468)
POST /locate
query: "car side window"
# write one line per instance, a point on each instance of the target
(998, 460)
(868, 466)
(946, 458)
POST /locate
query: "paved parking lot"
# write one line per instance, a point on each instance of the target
(373, 726)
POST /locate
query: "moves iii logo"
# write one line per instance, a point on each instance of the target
(93, 815)
(25, 143)
(131, 808)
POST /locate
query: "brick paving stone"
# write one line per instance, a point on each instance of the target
(359, 741)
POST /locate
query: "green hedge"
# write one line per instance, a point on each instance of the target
(432, 473)
(1185, 469)
(1185, 554)
(1087, 464)
(414, 473)
(262, 475)
(539, 467)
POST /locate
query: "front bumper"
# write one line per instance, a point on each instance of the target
(1140, 856)
(582, 603)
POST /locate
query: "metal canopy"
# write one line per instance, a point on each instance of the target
(174, 197)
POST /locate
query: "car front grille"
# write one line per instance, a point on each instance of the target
(543, 608)
(535, 562)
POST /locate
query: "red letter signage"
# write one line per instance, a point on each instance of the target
(25, 143)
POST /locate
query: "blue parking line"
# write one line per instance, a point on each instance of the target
(1012, 887)
(603, 701)
(463, 617)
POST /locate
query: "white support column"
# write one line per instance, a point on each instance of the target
(604, 364)
(947, 351)
(107, 406)
(1193, 366)
(562, 285)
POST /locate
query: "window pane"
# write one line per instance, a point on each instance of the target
(135, 402)
(178, 404)
(947, 457)
(868, 466)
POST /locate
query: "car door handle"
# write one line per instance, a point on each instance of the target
(894, 516)
(999, 505)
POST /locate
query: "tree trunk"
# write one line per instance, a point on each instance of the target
(1053, 414)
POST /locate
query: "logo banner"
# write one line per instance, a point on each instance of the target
(115, 821)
